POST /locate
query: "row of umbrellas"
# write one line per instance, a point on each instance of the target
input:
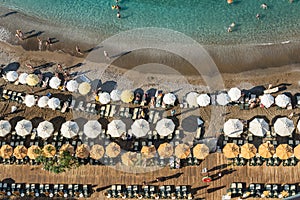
(265, 150)
(259, 127)
(281, 100)
(43, 102)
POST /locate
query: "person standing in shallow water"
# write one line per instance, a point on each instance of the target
(118, 15)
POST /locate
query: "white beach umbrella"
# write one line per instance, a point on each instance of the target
(53, 103)
(5, 128)
(12, 76)
(267, 100)
(72, 85)
(203, 100)
(22, 78)
(45, 129)
(165, 127)
(140, 128)
(115, 95)
(104, 98)
(282, 100)
(191, 98)
(234, 94)
(29, 100)
(233, 128)
(259, 127)
(43, 101)
(116, 128)
(223, 99)
(284, 126)
(54, 82)
(69, 129)
(92, 128)
(23, 127)
(169, 98)
(84, 88)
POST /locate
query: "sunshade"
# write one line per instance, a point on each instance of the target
(53, 103)
(129, 158)
(266, 150)
(116, 128)
(5, 128)
(45, 129)
(54, 82)
(223, 99)
(23, 127)
(165, 127)
(104, 98)
(12, 76)
(182, 151)
(165, 150)
(34, 152)
(83, 151)
(32, 80)
(191, 98)
(92, 128)
(49, 151)
(67, 147)
(284, 126)
(169, 98)
(200, 151)
(234, 94)
(297, 151)
(140, 128)
(284, 151)
(233, 128)
(258, 127)
(84, 88)
(231, 150)
(97, 152)
(6, 151)
(248, 151)
(43, 101)
(203, 100)
(282, 100)
(148, 151)
(22, 78)
(267, 100)
(127, 96)
(72, 85)
(69, 129)
(113, 150)
(20, 152)
(115, 95)
(29, 100)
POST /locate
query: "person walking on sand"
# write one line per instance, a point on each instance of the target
(40, 43)
(106, 55)
(19, 34)
(78, 50)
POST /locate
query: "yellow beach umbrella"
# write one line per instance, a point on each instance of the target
(266, 150)
(284, 151)
(200, 151)
(34, 152)
(113, 150)
(127, 96)
(297, 151)
(182, 151)
(148, 151)
(83, 151)
(84, 88)
(248, 151)
(97, 152)
(165, 150)
(67, 147)
(231, 150)
(129, 158)
(6, 151)
(20, 152)
(49, 151)
(32, 80)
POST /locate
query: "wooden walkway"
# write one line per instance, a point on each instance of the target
(103, 176)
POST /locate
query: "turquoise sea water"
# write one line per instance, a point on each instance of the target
(204, 20)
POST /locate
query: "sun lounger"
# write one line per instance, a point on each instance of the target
(107, 110)
(88, 107)
(72, 105)
(93, 109)
(135, 113)
(112, 110)
(102, 111)
(65, 106)
(198, 133)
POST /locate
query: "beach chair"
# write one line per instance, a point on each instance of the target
(107, 110)
(88, 107)
(102, 111)
(93, 109)
(65, 106)
(72, 105)
(112, 110)
(156, 117)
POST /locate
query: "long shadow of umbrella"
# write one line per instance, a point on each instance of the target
(108, 86)
(215, 189)
(8, 180)
(195, 190)
(218, 167)
(57, 122)
(102, 188)
(189, 123)
(14, 66)
(36, 120)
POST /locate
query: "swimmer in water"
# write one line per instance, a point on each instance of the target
(232, 25)
(229, 30)
(257, 16)
(264, 6)
(118, 15)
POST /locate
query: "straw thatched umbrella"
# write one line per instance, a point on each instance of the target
(284, 151)
(45, 129)
(43, 101)
(191, 98)
(284, 126)
(67, 147)
(115, 95)
(169, 98)
(267, 100)
(259, 127)
(72, 85)
(282, 100)
(6, 151)
(223, 99)
(22, 78)
(165, 150)
(248, 151)
(203, 100)
(20, 152)
(116, 128)
(54, 82)
(92, 128)
(83, 151)
(266, 150)
(104, 98)
(182, 151)
(233, 128)
(165, 127)
(12, 76)
(84, 88)
(23, 127)
(231, 150)
(297, 151)
(29, 100)
(284, 194)
(127, 96)
(129, 158)
(69, 129)
(234, 94)
(5, 128)
(140, 128)
(53, 103)
(148, 151)
(34, 152)
(113, 150)
(200, 151)
(49, 150)
(97, 152)
(32, 80)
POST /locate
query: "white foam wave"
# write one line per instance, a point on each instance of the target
(4, 34)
